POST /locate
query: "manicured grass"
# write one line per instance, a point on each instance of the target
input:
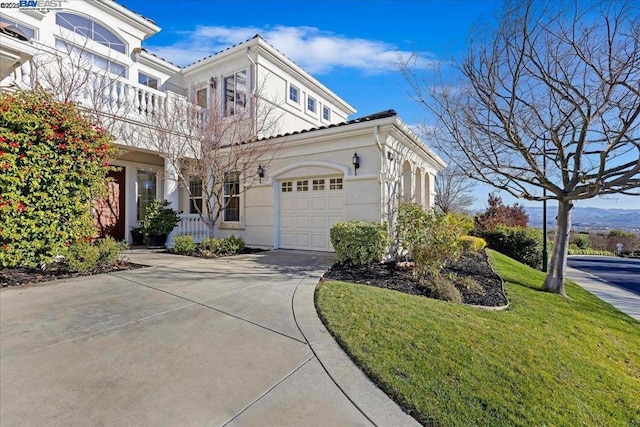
(547, 360)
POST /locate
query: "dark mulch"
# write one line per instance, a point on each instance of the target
(400, 277)
(23, 276)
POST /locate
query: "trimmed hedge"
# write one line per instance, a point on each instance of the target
(521, 244)
(472, 243)
(359, 242)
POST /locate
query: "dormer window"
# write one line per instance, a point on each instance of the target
(90, 29)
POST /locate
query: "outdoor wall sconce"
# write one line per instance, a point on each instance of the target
(390, 155)
(356, 163)
(260, 173)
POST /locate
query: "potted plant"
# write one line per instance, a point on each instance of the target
(137, 236)
(159, 220)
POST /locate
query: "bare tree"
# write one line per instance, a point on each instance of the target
(214, 146)
(453, 190)
(555, 85)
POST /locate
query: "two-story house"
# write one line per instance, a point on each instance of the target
(325, 167)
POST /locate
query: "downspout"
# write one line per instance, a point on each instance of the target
(254, 83)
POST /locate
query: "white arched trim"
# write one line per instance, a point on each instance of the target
(345, 170)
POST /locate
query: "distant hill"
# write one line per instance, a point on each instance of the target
(590, 218)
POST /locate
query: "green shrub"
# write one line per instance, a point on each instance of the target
(521, 244)
(430, 238)
(159, 218)
(359, 242)
(53, 163)
(82, 256)
(209, 247)
(582, 241)
(230, 245)
(472, 243)
(442, 288)
(184, 245)
(109, 251)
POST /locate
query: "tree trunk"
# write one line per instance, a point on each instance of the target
(558, 264)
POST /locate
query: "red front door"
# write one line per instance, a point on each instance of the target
(109, 211)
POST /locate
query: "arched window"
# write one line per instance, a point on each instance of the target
(90, 29)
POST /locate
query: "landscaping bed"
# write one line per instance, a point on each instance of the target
(24, 276)
(547, 360)
(471, 274)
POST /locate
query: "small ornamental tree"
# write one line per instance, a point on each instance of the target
(53, 162)
(499, 214)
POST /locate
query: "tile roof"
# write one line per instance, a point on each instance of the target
(162, 59)
(370, 117)
(224, 50)
(136, 13)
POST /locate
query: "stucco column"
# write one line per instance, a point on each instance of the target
(170, 185)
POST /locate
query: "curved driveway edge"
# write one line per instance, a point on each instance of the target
(359, 389)
(225, 342)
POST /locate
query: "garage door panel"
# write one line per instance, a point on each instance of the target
(287, 222)
(287, 204)
(302, 222)
(307, 214)
(302, 203)
(319, 203)
(302, 240)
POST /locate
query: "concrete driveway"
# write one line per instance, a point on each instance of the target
(230, 341)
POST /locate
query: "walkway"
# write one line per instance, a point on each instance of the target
(231, 341)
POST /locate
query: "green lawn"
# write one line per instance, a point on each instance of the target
(546, 360)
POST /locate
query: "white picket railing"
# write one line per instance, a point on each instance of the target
(190, 224)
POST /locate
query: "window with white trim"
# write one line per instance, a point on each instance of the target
(302, 185)
(294, 94)
(335, 184)
(231, 197)
(147, 80)
(195, 195)
(90, 29)
(311, 104)
(26, 31)
(235, 90)
(92, 60)
(317, 185)
(326, 113)
(287, 187)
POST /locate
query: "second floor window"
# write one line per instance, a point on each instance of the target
(294, 94)
(90, 29)
(28, 32)
(326, 113)
(149, 81)
(311, 104)
(91, 60)
(235, 93)
(201, 98)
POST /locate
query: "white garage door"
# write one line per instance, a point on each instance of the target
(308, 209)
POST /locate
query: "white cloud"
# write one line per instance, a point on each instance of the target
(315, 50)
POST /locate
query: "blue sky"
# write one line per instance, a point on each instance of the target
(350, 46)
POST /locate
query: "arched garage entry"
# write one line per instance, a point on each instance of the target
(309, 201)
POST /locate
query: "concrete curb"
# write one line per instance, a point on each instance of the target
(359, 389)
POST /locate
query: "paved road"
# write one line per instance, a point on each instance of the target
(622, 272)
(231, 341)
